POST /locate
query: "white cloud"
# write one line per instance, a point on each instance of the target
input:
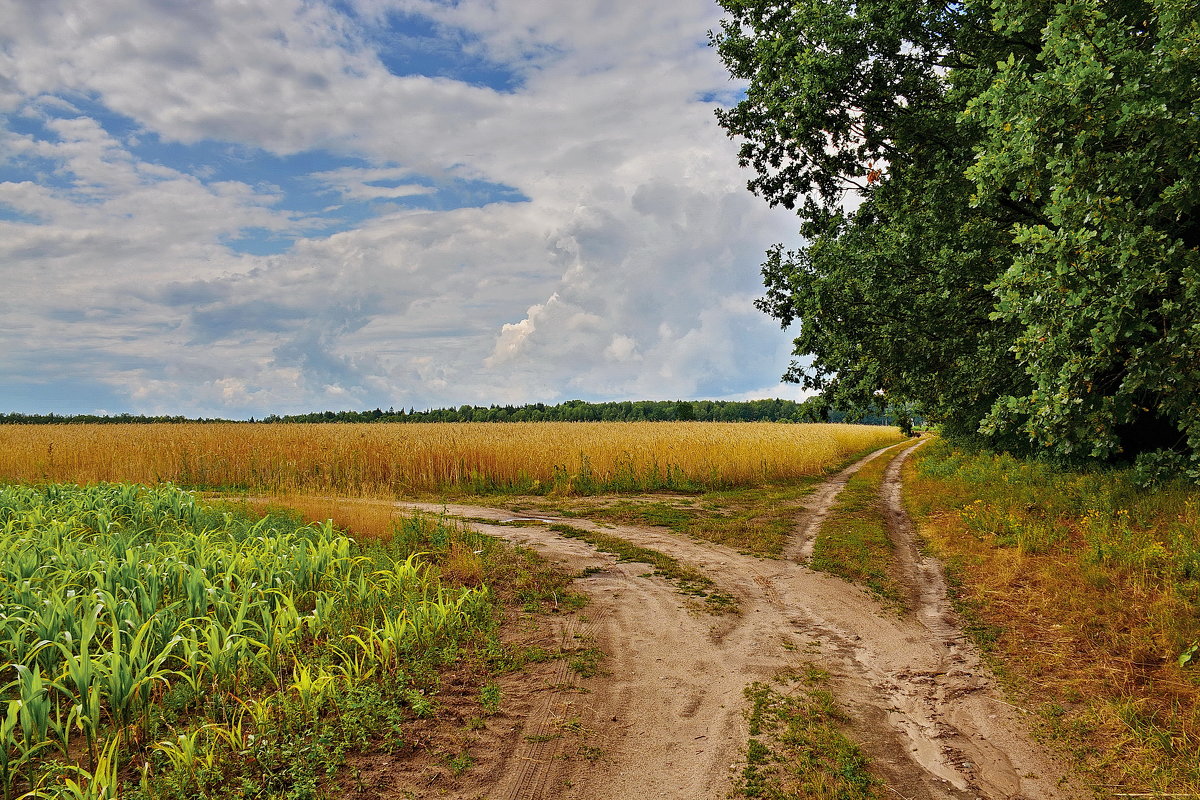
(368, 183)
(629, 271)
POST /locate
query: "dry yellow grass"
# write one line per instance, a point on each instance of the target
(1084, 589)
(393, 459)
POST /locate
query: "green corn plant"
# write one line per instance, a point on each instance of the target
(234, 733)
(260, 711)
(279, 628)
(185, 753)
(81, 678)
(129, 670)
(11, 757)
(356, 665)
(220, 652)
(311, 686)
(36, 706)
(396, 631)
(22, 737)
(101, 783)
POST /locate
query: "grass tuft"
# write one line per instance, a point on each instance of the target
(690, 581)
(797, 749)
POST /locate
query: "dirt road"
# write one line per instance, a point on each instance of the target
(668, 720)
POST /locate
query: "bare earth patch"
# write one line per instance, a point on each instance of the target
(664, 713)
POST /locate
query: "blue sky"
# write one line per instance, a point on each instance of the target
(232, 209)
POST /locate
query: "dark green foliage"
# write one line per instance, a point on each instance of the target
(1100, 130)
(774, 410)
(999, 202)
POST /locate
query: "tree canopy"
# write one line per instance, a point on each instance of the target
(999, 206)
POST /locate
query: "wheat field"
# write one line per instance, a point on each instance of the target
(382, 460)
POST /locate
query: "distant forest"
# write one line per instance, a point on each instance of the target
(811, 410)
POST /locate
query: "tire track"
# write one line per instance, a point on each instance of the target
(537, 763)
(817, 508)
(668, 720)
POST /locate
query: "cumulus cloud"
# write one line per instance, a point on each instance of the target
(623, 263)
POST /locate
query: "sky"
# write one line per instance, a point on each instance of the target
(241, 207)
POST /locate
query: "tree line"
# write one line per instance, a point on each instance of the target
(811, 410)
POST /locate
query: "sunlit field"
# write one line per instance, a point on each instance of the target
(389, 460)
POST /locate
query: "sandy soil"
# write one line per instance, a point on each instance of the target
(666, 719)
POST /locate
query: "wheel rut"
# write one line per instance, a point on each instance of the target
(667, 720)
(817, 507)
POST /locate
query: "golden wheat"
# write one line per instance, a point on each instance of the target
(391, 459)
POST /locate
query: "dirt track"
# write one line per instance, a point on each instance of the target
(668, 719)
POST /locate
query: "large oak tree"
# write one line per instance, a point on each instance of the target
(999, 207)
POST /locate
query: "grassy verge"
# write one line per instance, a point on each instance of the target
(853, 542)
(1085, 592)
(797, 748)
(688, 580)
(757, 520)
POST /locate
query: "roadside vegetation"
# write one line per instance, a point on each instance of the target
(758, 520)
(797, 748)
(1084, 591)
(157, 647)
(689, 580)
(755, 520)
(435, 458)
(854, 543)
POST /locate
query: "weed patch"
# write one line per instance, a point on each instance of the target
(586, 662)
(689, 581)
(796, 747)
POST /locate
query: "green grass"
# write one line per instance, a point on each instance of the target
(758, 520)
(586, 662)
(690, 581)
(797, 750)
(853, 542)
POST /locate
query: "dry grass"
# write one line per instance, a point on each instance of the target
(364, 520)
(384, 460)
(1085, 592)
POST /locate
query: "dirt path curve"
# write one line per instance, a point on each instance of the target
(668, 721)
